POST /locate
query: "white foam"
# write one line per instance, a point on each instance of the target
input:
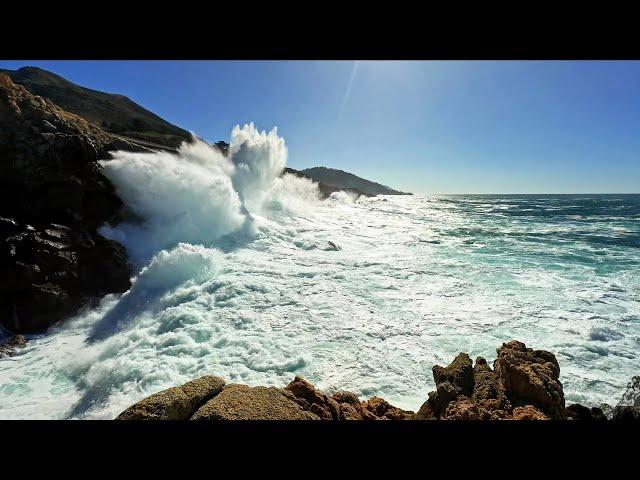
(406, 290)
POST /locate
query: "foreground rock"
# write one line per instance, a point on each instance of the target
(177, 403)
(523, 385)
(240, 402)
(53, 197)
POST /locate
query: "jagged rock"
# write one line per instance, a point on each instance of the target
(489, 393)
(349, 412)
(311, 399)
(451, 382)
(46, 274)
(342, 405)
(176, 403)
(464, 393)
(53, 196)
(462, 409)
(384, 410)
(528, 412)
(9, 346)
(531, 377)
(425, 413)
(240, 402)
(50, 171)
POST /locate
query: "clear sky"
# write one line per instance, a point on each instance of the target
(424, 127)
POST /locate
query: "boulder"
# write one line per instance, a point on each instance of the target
(531, 377)
(241, 402)
(176, 403)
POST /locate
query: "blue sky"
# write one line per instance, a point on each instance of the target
(425, 127)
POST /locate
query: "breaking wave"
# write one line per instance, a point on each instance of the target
(249, 275)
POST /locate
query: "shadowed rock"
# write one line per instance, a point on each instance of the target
(451, 382)
(53, 197)
(489, 393)
(176, 403)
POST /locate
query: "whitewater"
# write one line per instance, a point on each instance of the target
(234, 276)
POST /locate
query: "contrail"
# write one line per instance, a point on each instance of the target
(347, 93)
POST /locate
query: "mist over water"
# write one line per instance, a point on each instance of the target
(235, 277)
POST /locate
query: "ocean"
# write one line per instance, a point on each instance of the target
(235, 277)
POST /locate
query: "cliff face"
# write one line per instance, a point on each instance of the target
(53, 196)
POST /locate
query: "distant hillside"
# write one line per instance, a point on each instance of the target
(345, 180)
(113, 113)
(325, 189)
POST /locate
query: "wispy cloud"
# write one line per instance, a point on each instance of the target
(347, 92)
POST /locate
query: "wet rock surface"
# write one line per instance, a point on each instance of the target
(47, 273)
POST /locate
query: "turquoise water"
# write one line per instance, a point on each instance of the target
(235, 276)
(417, 280)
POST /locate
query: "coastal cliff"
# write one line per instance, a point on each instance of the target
(524, 384)
(53, 198)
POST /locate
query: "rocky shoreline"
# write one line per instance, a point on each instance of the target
(522, 385)
(53, 199)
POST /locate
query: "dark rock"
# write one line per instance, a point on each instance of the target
(531, 377)
(49, 272)
(489, 393)
(240, 402)
(425, 412)
(384, 410)
(631, 396)
(626, 413)
(576, 411)
(451, 381)
(177, 403)
(53, 196)
(10, 345)
(597, 414)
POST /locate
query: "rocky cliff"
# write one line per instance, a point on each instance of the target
(523, 384)
(53, 196)
(113, 113)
